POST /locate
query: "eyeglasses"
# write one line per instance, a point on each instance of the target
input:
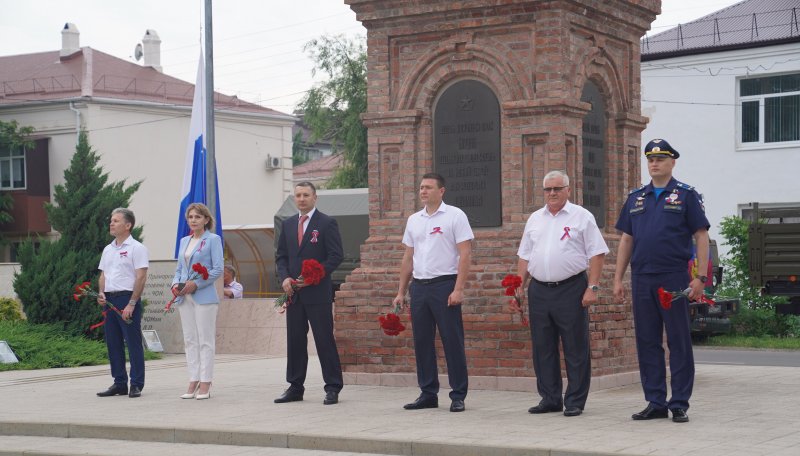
(554, 189)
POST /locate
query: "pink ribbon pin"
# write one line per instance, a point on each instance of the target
(566, 233)
(314, 236)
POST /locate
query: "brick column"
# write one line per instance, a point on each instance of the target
(536, 56)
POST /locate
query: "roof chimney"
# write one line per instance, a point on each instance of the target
(70, 40)
(151, 45)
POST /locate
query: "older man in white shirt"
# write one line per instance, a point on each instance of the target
(230, 287)
(559, 242)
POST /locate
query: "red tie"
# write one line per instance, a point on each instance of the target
(303, 219)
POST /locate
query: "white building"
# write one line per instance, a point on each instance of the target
(724, 90)
(137, 119)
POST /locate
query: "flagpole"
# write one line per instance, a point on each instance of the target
(211, 181)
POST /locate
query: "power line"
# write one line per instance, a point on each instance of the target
(257, 32)
(698, 103)
(717, 70)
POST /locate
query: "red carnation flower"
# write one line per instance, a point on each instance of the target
(665, 298)
(512, 283)
(390, 323)
(311, 273)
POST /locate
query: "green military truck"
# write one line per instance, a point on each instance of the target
(774, 249)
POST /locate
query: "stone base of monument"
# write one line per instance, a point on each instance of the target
(483, 382)
(253, 327)
(244, 326)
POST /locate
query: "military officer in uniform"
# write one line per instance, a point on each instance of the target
(658, 222)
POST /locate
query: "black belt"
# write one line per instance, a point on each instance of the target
(560, 282)
(114, 294)
(436, 279)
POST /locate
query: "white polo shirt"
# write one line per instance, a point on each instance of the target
(559, 246)
(120, 262)
(434, 238)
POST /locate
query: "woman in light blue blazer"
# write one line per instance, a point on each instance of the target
(197, 298)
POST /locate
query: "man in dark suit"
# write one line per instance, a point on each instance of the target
(309, 235)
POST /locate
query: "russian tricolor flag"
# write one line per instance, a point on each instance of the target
(194, 173)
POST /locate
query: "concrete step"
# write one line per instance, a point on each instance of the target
(50, 446)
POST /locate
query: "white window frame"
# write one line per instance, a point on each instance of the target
(760, 144)
(10, 160)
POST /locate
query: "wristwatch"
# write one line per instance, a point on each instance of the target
(703, 278)
(594, 288)
(132, 303)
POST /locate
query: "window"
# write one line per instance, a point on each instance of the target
(12, 169)
(770, 109)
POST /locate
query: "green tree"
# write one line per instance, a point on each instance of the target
(298, 157)
(332, 109)
(12, 137)
(736, 280)
(80, 210)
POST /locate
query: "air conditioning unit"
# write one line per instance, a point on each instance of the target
(273, 162)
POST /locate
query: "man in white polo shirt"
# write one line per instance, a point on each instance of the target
(438, 252)
(123, 272)
(560, 240)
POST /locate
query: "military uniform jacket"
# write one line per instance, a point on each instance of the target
(662, 228)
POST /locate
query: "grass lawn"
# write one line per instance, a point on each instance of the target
(46, 346)
(768, 342)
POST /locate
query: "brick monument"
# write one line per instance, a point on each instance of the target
(493, 94)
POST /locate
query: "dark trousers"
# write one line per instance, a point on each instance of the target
(651, 320)
(429, 311)
(299, 315)
(119, 334)
(557, 313)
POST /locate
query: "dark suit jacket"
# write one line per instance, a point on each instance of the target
(325, 247)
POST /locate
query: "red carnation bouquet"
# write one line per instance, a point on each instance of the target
(512, 283)
(311, 273)
(667, 297)
(83, 290)
(198, 271)
(390, 323)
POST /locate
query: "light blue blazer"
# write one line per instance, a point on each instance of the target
(207, 252)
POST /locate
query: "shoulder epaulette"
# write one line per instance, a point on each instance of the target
(637, 189)
(685, 186)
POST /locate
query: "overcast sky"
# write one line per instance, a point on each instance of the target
(258, 44)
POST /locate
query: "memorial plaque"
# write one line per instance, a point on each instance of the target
(594, 154)
(157, 293)
(466, 150)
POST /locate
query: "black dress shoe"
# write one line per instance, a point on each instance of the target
(457, 405)
(114, 390)
(650, 413)
(544, 408)
(289, 396)
(423, 402)
(573, 411)
(331, 397)
(680, 416)
(135, 391)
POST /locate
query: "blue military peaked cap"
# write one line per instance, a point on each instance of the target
(658, 147)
